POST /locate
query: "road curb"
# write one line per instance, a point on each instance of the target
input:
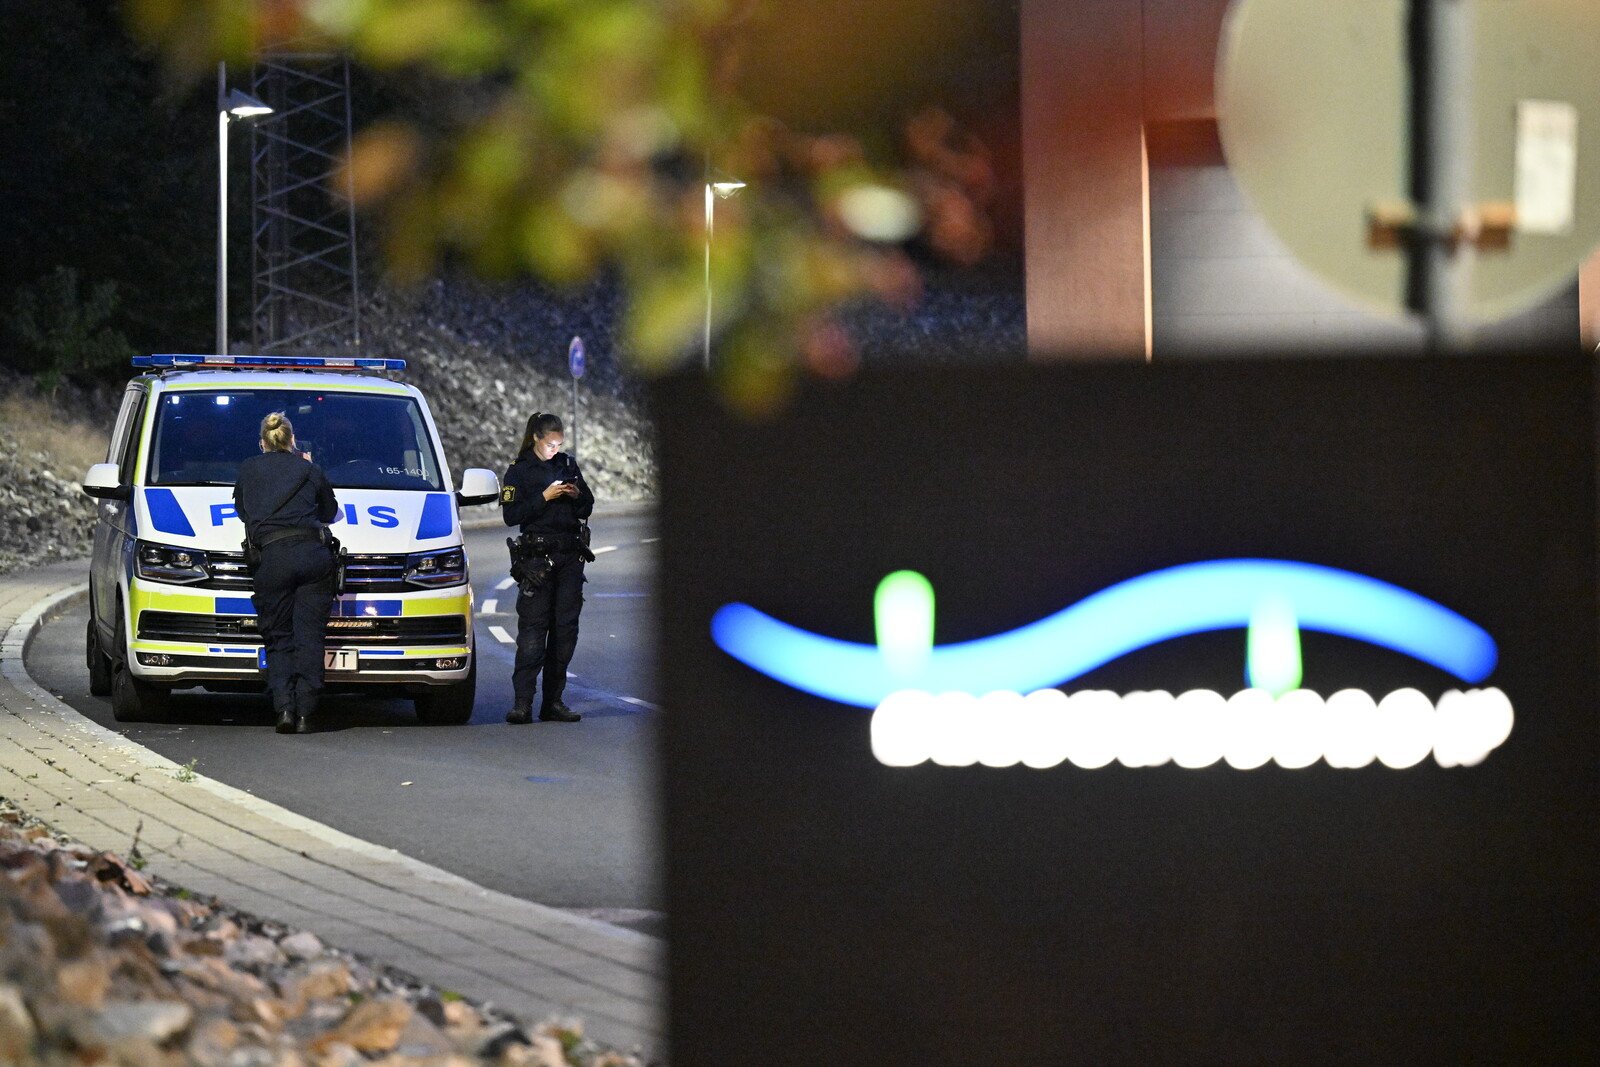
(627, 509)
(102, 788)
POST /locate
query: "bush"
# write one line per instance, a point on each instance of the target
(61, 331)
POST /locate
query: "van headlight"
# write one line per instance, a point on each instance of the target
(166, 563)
(447, 566)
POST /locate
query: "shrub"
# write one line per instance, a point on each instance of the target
(60, 330)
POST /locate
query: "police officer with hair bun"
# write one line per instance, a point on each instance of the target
(544, 493)
(286, 502)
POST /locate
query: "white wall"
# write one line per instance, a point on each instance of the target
(1223, 283)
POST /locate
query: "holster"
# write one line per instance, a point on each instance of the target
(531, 564)
(584, 535)
(341, 559)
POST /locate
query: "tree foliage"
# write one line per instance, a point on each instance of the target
(61, 330)
(594, 128)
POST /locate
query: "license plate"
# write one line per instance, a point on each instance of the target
(333, 659)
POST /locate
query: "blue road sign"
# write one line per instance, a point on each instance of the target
(576, 359)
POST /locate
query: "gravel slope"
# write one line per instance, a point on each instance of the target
(489, 356)
(485, 356)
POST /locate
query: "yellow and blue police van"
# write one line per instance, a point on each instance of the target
(169, 591)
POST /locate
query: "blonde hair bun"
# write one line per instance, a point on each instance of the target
(277, 432)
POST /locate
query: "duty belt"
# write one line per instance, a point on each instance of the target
(540, 544)
(288, 533)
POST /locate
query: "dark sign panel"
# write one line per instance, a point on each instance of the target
(1238, 712)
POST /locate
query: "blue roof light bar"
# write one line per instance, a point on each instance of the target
(333, 363)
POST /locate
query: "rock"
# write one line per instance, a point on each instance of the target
(545, 1050)
(255, 1056)
(254, 953)
(338, 1054)
(119, 1021)
(239, 989)
(453, 1015)
(302, 946)
(157, 981)
(202, 946)
(161, 944)
(81, 897)
(321, 979)
(270, 1012)
(212, 1042)
(326, 1014)
(26, 945)
(220, 928)
(372, 1026)
(421, 1039)
(83, 982)
(17, 1031)
(497, 1038)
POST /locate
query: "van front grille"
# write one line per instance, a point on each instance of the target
(366, 573)
(241, 629)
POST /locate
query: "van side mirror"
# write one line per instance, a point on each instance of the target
(478, 486)
(104, 482)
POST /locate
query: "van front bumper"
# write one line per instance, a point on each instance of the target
(193, 637)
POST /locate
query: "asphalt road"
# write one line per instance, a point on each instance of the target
(562, 814)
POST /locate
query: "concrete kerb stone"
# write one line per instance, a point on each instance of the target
(221, 840)
(487, 517)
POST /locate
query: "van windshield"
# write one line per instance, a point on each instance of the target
(361, 441)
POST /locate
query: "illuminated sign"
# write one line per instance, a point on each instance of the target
(963, 704)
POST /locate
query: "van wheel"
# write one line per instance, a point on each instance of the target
(450, 705)
(131, 699)
(101, 668)
(136, 701)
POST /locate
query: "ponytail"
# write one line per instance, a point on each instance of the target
(539, 424)
(277, 432)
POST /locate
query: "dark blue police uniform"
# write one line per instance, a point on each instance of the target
(547, 619)
(284, 502)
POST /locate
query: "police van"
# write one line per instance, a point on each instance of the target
(169, 592)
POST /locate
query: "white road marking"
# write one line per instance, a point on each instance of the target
(491, 606)
(607, 548)
(506, 583)
(649, 540)
(500, 635)
(636, 702)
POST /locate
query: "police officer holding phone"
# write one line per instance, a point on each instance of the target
(285, 502)
(544, 493)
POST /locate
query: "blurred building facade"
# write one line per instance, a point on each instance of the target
(1139, 241)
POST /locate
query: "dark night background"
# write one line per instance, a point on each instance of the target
(106, 171)
(111, 169)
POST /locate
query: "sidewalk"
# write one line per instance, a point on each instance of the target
(98, 787)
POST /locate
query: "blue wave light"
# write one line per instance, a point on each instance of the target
(1189, 599)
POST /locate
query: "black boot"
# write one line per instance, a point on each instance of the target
(305, 700)
(283, 705)
(519, 716)
(556, 711)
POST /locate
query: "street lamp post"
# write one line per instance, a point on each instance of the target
(714, 191)
(230, 105)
